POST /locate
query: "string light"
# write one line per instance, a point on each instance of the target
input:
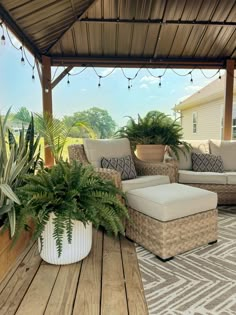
(3, 39)
(68, 79)
(128, 83)
(33, 77)
(130, 79)
(22, 57)
(191, 80)
(99, 81)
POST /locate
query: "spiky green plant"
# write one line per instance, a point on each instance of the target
(55, 133)
(71, 192)
(154, 128)
(17, 158)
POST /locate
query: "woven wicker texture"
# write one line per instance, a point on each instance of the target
(76, 152)
(226, 193)
(167, 239)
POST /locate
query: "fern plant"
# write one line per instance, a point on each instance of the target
(70, 192)
(154, 128)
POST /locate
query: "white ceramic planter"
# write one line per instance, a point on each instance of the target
(78, 249)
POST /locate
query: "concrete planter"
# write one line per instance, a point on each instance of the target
(150, 152)
(71, 253)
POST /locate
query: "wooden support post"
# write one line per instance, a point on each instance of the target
(228, 112)
(47, 101)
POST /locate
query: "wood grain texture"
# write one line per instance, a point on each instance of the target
(9, 253)
(113, 287)
(37, 296)
(13, 293)
(63, 293)
(135, 292)
(89, 290)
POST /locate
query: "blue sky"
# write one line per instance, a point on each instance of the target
(17, 88)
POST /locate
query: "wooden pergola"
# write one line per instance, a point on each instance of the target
(126, 33)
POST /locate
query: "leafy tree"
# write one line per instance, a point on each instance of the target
(23, 115)
(99, 119)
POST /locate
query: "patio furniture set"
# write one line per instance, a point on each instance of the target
(166, 217)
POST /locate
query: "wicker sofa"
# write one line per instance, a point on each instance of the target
(224, 184)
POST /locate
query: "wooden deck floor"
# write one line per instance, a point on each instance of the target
(107, 282)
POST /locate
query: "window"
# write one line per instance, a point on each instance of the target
(194, 122)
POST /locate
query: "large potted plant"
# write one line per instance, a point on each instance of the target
(150, 135)
(64, 201)
(18, 156)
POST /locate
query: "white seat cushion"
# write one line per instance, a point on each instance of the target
(231, 178)
(144, 181)
(171, 201)
(191, 177)
(108, 148)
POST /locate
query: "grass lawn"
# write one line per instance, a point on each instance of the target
(65, 151)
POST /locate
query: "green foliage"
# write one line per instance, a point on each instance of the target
(23, 115)
(16, 160)
(70, 192)
(100, 120)
(154, 128)
(56, 132)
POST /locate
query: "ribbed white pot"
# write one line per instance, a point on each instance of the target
(78, 249)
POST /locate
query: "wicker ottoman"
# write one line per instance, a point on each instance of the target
(171, 219)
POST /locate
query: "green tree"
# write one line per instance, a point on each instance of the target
(23, 115)
(99, 119)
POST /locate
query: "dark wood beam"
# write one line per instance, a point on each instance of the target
(18, 33)
(61, 76)
(229, 87)
(137, 62)
(47, 102)
(158, 21)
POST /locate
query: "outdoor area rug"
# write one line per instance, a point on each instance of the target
(199, 282)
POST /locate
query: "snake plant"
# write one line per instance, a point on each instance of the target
(17, 158)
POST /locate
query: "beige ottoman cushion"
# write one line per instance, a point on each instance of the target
(171, 201)
(144, 181)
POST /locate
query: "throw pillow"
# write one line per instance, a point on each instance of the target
(207, 163)
(124, 165)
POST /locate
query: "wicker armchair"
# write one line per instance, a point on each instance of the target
(76, 152)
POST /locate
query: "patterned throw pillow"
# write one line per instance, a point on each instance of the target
(124, 165)
(207, 163)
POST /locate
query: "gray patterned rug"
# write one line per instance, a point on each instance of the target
(199, 282)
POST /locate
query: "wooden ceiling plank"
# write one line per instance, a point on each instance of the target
(20, 35)
(60, 37)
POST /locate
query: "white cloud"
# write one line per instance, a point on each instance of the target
(83, 90)
(150, 80)
(143, 86)
(193, 88)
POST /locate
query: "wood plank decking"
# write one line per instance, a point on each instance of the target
(107, 282)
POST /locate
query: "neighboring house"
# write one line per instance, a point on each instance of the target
(202, 113)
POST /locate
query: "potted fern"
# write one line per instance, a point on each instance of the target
(151, 134)
(64, 202)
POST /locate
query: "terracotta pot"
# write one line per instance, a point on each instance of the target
(150, 152)
(9, 253)
(71, 253)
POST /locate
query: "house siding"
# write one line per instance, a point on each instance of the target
(208, 121)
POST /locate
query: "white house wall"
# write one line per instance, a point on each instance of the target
(208, 121)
